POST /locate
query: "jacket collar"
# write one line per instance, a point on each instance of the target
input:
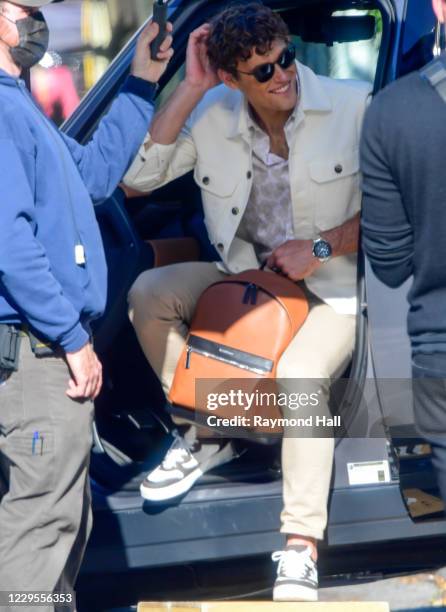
(313, 98)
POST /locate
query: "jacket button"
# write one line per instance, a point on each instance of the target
(235, 210)
(206, 180)
(249, 174)
(338, 169)
(220, 246)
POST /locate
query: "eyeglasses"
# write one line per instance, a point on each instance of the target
(265, 72)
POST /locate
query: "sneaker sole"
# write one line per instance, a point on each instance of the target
(173, 490)
(289, 592)
(183, 486)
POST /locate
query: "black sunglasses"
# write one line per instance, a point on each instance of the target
(265, 72)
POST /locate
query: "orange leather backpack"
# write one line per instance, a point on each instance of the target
(240, 329)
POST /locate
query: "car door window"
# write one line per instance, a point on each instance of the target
(85, 36)
(344, 60)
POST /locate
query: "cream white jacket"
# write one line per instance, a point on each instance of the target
(323, 167)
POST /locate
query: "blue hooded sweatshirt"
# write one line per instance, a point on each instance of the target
(52, 265)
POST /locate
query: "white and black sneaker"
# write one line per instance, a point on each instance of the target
(296, 575)
(182, 466)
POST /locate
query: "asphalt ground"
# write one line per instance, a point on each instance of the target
(419, 592)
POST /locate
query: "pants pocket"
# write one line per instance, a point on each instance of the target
(30, 455)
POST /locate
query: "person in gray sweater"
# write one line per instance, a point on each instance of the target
(404, 225)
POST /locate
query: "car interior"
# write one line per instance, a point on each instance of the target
(338, 38)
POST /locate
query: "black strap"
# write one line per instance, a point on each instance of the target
(9, 348)
(435, 74)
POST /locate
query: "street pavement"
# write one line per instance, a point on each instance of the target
(419, 592)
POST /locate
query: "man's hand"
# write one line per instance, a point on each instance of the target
(199, 73)
(143, 65)
(86, 374)
(294, 259)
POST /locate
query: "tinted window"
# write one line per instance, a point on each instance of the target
(345, 60)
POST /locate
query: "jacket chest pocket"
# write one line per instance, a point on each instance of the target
(220, 192)
(335, 191)
(215, 181)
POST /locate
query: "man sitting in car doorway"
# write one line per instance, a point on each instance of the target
(275, 152)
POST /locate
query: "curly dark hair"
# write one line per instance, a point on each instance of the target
(241, 28)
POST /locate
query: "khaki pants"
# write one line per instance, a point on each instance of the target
(45, 510)
(162, 302)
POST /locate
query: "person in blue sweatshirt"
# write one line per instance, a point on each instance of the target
(52, 285)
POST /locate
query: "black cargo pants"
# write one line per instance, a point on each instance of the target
(45, 501)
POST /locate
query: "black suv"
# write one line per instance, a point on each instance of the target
(233, 513)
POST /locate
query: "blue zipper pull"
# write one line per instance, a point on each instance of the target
(254, 294)
(250, 296)
(247, 294)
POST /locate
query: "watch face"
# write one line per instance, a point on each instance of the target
(322, 249)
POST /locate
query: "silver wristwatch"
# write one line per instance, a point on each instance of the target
(322, 249)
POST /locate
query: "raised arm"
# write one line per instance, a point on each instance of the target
(168, 150)
(103, 161)
(200, 77)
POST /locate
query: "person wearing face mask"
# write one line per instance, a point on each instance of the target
(52, 285)
(26, 37)
(404, 226)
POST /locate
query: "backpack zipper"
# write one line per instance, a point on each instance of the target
(219, 352)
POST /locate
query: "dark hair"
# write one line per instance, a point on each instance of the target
(240, 29)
